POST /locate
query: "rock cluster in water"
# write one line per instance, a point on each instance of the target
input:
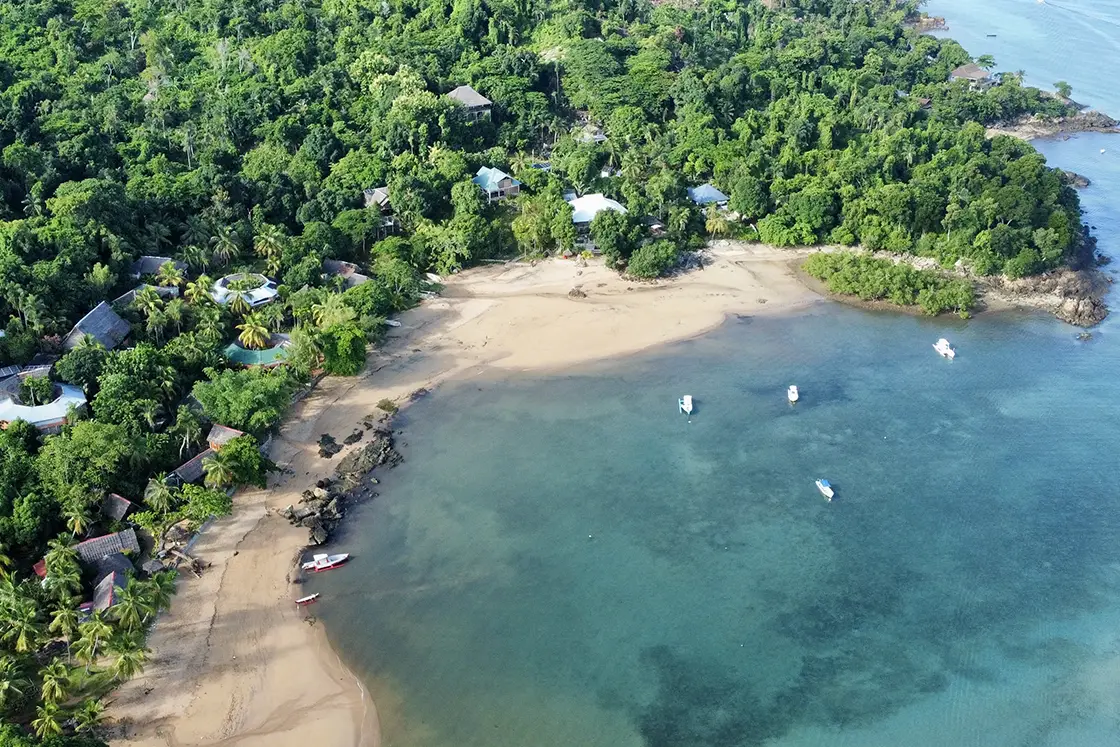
(322, 507)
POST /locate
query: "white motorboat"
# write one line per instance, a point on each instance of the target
(791, 393)
(324, 562)
(685, 403)
(944, 349)
(826, 489)
(310, 599)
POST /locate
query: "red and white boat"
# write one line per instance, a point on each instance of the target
(304, 601)
(324, 562)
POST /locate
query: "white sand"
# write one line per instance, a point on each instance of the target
(235, 662)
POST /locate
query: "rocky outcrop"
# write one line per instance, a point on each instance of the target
(1032, 127)
(577, 292)
(1074, 296)
(322, 508)
(1075, 180)
(923, 23)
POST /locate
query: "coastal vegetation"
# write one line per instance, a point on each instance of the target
(873, 279)
(241, 147)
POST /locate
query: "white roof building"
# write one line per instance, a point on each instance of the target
(264, 292)
(46, 417)
(584, 209)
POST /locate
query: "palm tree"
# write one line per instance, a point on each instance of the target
(148, 301)
(5, 562)
(61, 555)
(254, 334)
(175, 312)
(62, 583)
(273, 314)
(198, 292)
(716, 224)
(92, 632)
(131, 654)
(218, 471)
(269, 241)
(169, 275)
(88, 715)
(12, 683)
(64, 621)
(22, 626)
(225, 245)
(78, 517)
(159, 235)
(160, 493)
(195, 256)
(55, 678)
(157, 320)
(47, 722)
(196, 231)
(132, 609)
(187, 428)
(161, 588)
(150, 410)
(333, 310)
(238, 304)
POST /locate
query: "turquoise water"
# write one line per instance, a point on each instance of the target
(566, 560)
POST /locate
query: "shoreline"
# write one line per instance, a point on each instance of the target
(235, 662)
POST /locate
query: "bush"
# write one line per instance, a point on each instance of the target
(344, 349)
(388, 406)
(653, 260)
(872, 279)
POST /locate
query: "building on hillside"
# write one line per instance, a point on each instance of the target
(978, 78)
(191, 471)
(378, 199)
(93, 550)
(220, 435)
(116, 507)
(707, 194)
(590, 134)
(496, 184)
(149, 265)
(103, 323)
(584, 209)
(163, 291)
(348, 271)
(48, 418)
(115, 562)
(477, 105)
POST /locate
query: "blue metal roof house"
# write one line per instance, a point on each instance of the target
(706, 194)
(496, 183)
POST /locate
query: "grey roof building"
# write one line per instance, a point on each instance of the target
(93, 550)
(115, 563)
(476, 104)
(191, 471)
(220, 435)
(150, 264)
(105, 593)
(346, 270)
(116, 507)
(103, 323)
(378, 197)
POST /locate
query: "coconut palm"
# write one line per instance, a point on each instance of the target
(196, 231)
(333, 310)
(47, 721)
(160, 493)
(254, 334)
(62, 583)
(148, 301)
(218, 471)
(130, 652)
(64, 621)
(225, 244)
(79, 518)
(88, 715)
(161, 588)
(187, 429)
(61, 555)
(198, 292)
(169, 275)
(22, 626)
(175, 312)
(88, 342)
(5, 562)
(716, 224)
(238, 304)
(12, 682)
(195, 256)
(132, 608)
(92, 633)
(269, 241)
(150, 410)
(210, 325)
(54, 677)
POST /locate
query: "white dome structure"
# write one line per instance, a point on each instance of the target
(584, 209)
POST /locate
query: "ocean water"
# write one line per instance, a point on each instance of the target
(564, 559)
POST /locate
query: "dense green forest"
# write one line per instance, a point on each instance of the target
(239, 137)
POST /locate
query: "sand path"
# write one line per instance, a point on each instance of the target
(235, 662)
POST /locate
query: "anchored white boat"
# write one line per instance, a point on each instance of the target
(791, 393)
(324, 562)
(685, 403)
(826, 489)
(944, 349)
(304, 601)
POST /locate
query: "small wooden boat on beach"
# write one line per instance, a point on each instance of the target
(826, 489)
(304, 601)
(324, 562)
(685, 404)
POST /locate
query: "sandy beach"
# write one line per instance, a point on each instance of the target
(235, 662)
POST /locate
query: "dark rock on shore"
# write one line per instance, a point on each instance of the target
(1075, 180)
(923, 23)
(1030, 127)
(1074, 296)
(328, 447)
(322, 507)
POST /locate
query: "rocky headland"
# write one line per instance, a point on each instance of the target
(1035, 127)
